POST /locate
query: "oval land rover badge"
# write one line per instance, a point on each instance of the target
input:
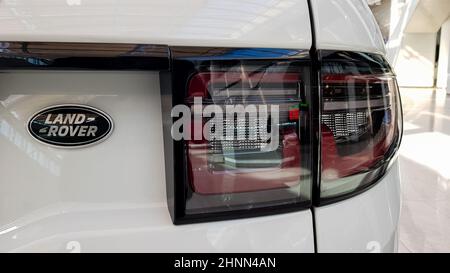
(70, 125)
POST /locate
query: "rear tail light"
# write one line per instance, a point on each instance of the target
(257, 136)
(248, 152)
(361, 121)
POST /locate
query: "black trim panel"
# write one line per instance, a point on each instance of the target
(85, 56)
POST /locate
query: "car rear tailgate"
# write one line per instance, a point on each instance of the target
(109, 196)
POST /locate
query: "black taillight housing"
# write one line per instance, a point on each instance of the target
(241, 171)
(361, 122)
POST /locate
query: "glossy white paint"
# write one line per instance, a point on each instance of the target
(137, 228)
(233, 23)
(109, 196)
(365, 223)
(346, 25)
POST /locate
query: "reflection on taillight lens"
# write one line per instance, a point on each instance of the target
(360, 121)
(222, 166)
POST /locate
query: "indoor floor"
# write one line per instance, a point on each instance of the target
(425, 166)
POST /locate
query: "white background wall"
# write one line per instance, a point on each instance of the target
(415, 65)
(411, 48)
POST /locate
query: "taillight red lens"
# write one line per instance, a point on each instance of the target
(221, 166)
(360, 121)
(242, 84)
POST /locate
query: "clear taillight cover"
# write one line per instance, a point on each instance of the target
(360, 119)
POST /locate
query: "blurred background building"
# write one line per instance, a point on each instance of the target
(417, 36)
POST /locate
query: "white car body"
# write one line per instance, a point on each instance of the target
(90, 200)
